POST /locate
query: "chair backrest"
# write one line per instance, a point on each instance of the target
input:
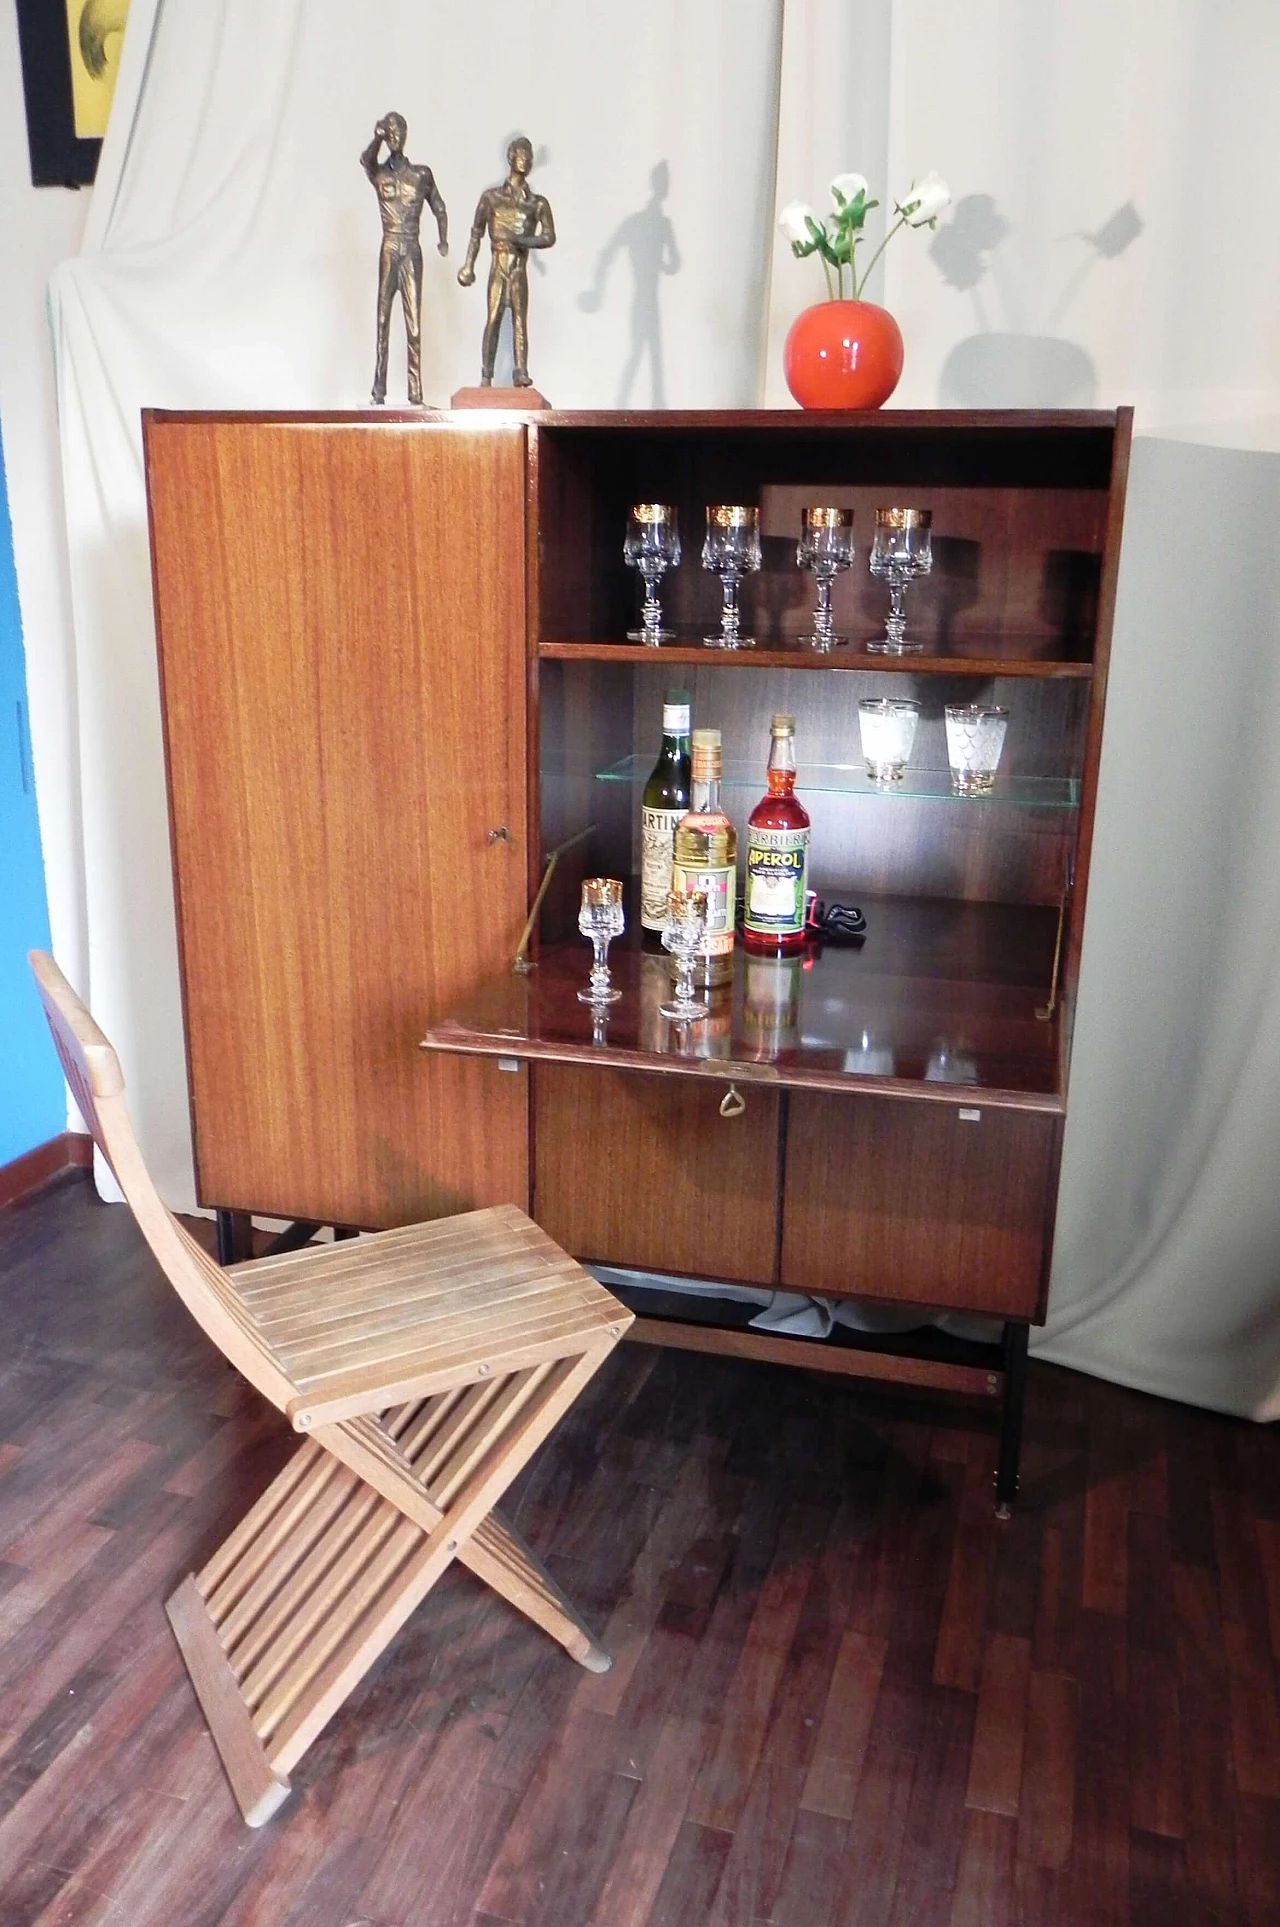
(93, 1071)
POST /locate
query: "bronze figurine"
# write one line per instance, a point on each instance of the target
(517, 221)
(402, 186)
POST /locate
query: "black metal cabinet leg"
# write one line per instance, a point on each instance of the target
(1014, 1345)
(341, 1231)
(235, 1236)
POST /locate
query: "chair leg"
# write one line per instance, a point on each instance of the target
(497, 1554)
(307, 1592)
(258, 1789)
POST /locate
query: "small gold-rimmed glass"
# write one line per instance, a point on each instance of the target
(825, 548)
(901, 551)
(731, 550)
(652, 546)
(887, 726)
(683, 934)
(601, 919)
(975, 738)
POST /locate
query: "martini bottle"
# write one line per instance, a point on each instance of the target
(664, 802)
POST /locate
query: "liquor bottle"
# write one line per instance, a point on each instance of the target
(664, 802)
(706, 858)
(777, 855)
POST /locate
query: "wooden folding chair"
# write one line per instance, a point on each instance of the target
(427, 1364)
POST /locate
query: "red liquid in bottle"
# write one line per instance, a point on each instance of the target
(777, 856)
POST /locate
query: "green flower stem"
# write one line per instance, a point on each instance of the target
(900, 222)
(827, 272)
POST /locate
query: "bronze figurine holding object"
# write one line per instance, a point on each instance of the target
(517, 221)
(403, 187)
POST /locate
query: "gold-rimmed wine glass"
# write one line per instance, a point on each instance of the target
(601, 919)
(731, 549)
(825, 548)
(901, 551)
(683, 935)
(652, 546)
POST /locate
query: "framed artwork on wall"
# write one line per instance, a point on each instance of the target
(70, 56)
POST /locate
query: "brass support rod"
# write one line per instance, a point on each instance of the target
(1045, 1011)
(521, 963)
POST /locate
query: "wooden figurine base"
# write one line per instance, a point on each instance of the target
(506, 398)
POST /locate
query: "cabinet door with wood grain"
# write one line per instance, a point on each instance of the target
(645, 1173)
(340, 608)
(932, 1203)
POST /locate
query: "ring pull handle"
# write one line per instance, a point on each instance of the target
(501, 835)
(733, 1103)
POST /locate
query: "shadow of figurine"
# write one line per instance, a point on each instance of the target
(648, 239)
(1019, 365)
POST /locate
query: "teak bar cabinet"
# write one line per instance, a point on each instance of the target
(395, 686)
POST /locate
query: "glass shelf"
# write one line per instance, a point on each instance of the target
(851, 779)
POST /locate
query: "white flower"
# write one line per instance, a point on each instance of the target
(924, 201)
(794, 222)
(845, 188)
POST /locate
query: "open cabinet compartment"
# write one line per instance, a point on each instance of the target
(1019, 525)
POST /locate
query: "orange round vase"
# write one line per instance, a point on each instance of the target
(843, 354)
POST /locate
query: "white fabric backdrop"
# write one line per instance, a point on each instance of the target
(1107, 161)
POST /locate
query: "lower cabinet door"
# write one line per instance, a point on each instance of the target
(930, 1203)
(643, 1172)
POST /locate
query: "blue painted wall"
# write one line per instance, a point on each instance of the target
(32, 1100)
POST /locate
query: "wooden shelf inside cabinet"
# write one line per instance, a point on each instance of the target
(695, 655)
(939, 1003)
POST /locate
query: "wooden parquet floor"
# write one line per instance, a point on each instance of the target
(844, 1694)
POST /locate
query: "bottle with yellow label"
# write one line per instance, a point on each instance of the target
(706, 858)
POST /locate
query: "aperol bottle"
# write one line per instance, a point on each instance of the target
(777, 855)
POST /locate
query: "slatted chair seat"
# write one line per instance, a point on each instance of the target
(427, 1364)
(350, 1322)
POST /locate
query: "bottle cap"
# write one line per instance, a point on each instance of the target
(708, 756)
(783, 726)
(677, 712)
